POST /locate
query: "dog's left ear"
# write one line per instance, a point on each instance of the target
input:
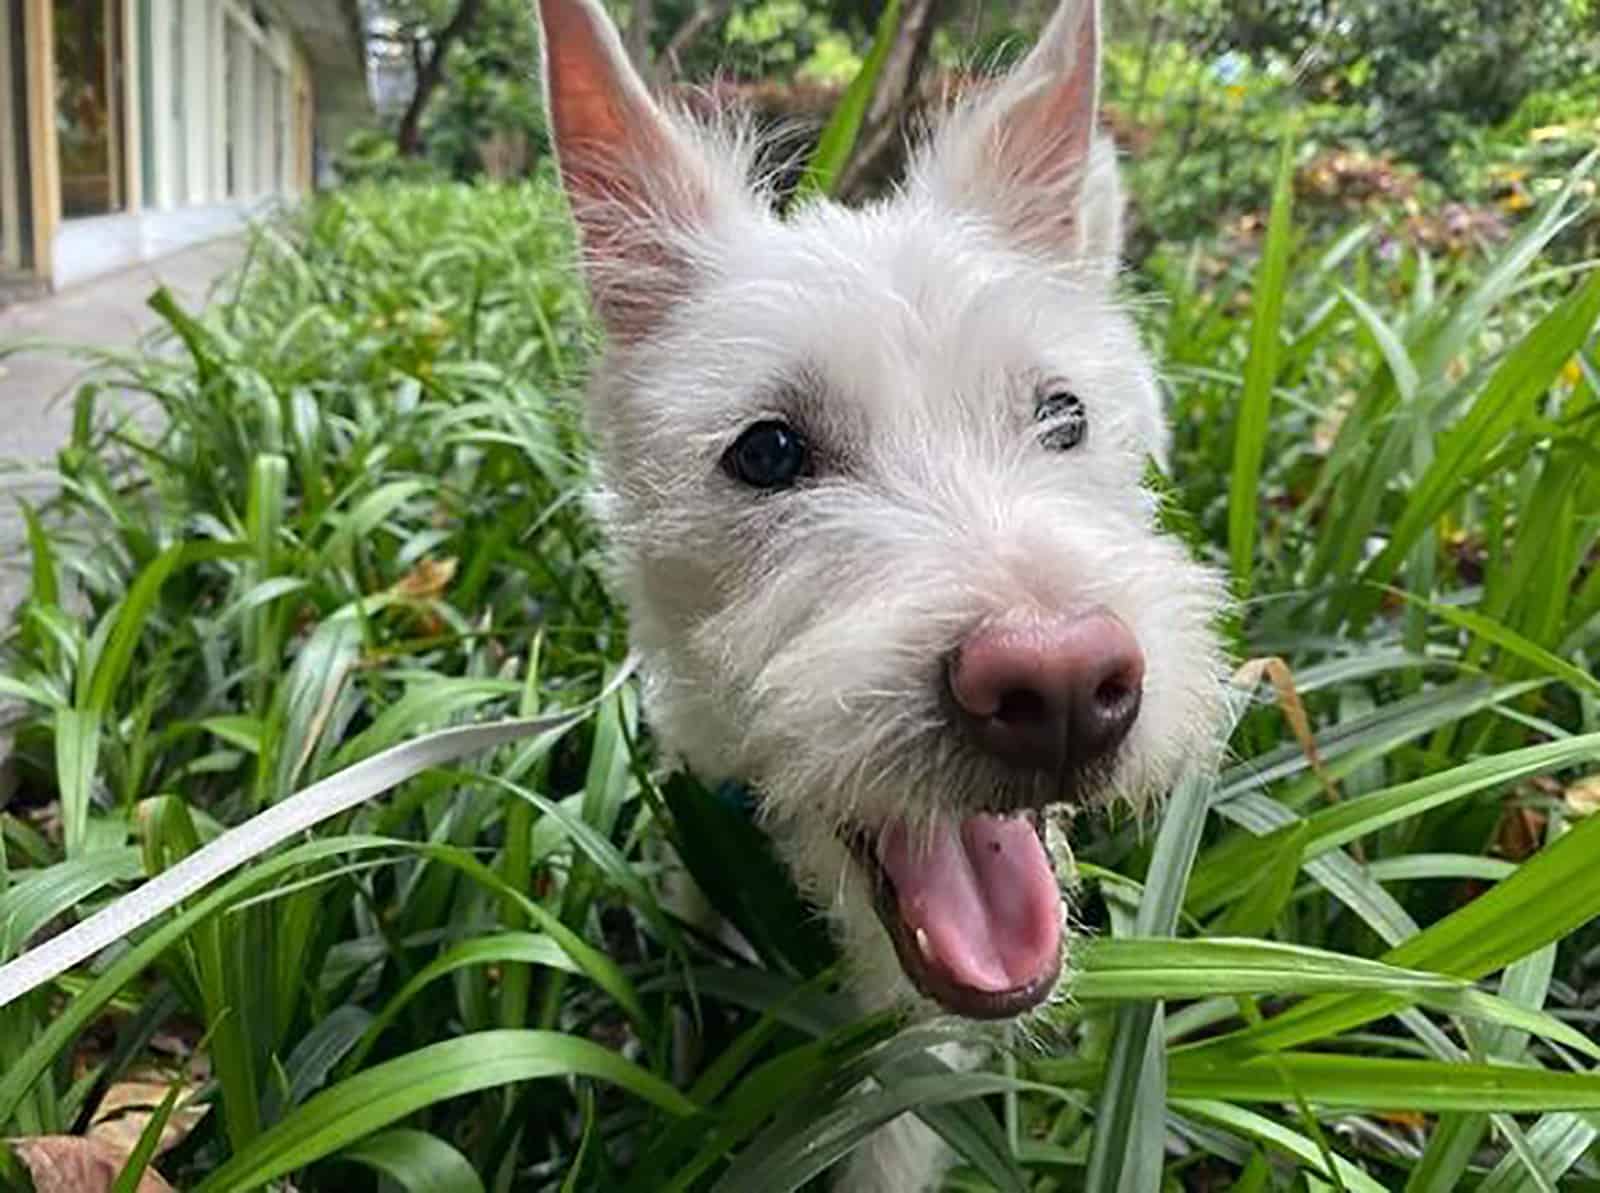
(646, 191)
(1025, 155)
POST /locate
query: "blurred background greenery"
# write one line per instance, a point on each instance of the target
(1444, 119)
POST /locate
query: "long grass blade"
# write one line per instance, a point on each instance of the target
(1261, 372)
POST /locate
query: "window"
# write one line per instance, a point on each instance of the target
(145, 20)
(178, 84)
(236, 58)
(256, 81)
(16, 229)
(304, 137)
(89, 109)
(261, 101)
(280, 131)
(215, 107)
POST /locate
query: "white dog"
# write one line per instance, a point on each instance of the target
(873, 480)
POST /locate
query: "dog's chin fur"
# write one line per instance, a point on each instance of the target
(795, 640)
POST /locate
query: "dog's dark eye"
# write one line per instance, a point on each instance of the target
(768, 455)
(1066, 421)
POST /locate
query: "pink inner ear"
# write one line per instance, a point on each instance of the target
(1021, 154)
(634, 185)
(634, 256)
(598, 111)
(582, 107)
(1059, 123)
(1042, 142)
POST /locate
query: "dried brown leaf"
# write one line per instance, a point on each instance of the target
(427, 580)
(1519, 832)
(1583, 797)
(78, 1164)
(128, 1107)
(1294, 711)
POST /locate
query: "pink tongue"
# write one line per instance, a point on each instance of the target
(982, 896)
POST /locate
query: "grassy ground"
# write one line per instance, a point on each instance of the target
(1376, 960)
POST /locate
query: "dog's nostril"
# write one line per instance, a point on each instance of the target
(1113, 693)
(1021, 706)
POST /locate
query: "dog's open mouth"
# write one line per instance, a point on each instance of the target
(973, 909)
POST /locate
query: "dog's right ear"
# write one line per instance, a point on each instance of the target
(643, 191)
(1025, 154)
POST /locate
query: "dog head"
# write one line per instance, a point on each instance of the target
(873, 480)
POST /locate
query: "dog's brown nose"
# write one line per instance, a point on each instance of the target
(1052, 693)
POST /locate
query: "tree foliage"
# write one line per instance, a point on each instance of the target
(1417, 80)
(1424, 71)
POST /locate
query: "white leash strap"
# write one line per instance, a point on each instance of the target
(243, 843)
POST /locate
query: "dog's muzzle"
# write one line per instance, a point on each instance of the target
(971, 901)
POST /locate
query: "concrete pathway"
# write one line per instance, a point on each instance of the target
(36, 387)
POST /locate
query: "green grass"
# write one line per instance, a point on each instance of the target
(362, 521)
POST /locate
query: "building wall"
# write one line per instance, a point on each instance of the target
(207, 123)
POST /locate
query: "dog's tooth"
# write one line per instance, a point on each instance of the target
(924, 945)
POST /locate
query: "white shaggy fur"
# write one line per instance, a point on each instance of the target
(795, 640)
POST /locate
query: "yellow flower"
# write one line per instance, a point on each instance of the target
(1572, 372)
(1517, 200)
(1236, 91)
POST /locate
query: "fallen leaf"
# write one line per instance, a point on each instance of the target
(1520, 832)
(427, 580)
(91, 1163)
(1583, 797)
(78, 1164)
(128, 1107)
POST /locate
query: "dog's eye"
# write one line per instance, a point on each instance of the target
(1066, 421)
(768, 455)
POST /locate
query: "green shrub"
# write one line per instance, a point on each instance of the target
(1426, 71)
(1198, 147)
(367, 432)
(371, 155)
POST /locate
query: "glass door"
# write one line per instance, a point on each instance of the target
(89, 115)
(16, 227)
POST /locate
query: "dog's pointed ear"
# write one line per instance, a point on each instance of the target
(1025, 154)
(643, 190)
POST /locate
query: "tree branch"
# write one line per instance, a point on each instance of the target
(430, 73)
(670, 65)
(637, 38)
(882, 137)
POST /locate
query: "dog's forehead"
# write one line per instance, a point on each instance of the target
(902, 294)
